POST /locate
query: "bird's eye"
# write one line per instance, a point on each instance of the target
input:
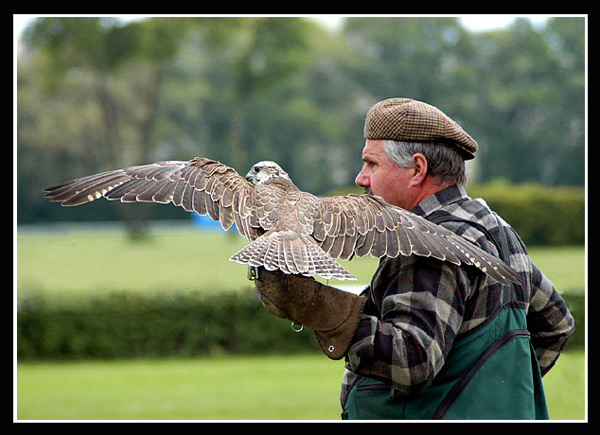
(255, 170)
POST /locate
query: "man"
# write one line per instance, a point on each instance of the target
(428, 339)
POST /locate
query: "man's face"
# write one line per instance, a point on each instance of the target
(383, 177)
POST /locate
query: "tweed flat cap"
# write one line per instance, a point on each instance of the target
(408, 120)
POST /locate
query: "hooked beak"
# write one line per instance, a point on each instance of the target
(250, 177)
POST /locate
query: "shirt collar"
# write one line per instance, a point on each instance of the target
(440, 199)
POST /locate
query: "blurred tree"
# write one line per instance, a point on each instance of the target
(431, 59)
(566, 38)
(242, 90)
(110, 72)
(97, 93)
(531, 105)
(261, 54)
(93, 54)
(408, 57)
(518, 91)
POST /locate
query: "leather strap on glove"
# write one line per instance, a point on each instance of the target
(331, 313)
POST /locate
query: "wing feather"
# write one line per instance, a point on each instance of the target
(341, 226)
(383, 229)
(201, 185)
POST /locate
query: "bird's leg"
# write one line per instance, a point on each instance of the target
(252, 273)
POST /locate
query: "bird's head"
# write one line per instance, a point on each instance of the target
(264, 171)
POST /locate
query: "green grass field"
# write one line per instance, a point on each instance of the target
(221, 388)
(82, 261)
(236, 388)
(233, 388)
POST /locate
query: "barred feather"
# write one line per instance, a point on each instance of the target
(289, 230)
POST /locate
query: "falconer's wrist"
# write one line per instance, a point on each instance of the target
(330, 312)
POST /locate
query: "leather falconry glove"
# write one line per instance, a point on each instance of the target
(331, 313)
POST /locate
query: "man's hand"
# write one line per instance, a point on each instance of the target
(286, 296)
(331, 313)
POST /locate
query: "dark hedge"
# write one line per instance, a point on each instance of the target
(169, 324)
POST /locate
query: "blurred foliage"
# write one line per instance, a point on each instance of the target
(125, 324)
(541, 215)
(97, 93)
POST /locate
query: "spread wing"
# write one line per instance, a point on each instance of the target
(365, 224)
(343, 226)
(201, 185)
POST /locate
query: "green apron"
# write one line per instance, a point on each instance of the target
(491, 374)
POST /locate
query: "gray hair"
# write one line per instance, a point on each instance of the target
(443, 161)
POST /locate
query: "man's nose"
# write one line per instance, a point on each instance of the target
(361, 180)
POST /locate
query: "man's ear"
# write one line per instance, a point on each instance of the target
(420, 169)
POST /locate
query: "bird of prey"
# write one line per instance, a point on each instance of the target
(288, 229)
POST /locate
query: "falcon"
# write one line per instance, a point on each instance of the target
(288, 229)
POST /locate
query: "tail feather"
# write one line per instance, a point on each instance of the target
(291, 253)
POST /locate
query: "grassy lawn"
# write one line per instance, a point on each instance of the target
(190, 260)
(83, 261)
(564, 265)
(234, 388)
(223, 388)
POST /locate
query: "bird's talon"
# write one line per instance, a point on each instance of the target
(252, 273)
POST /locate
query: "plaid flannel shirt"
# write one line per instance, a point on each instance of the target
(417, 306)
